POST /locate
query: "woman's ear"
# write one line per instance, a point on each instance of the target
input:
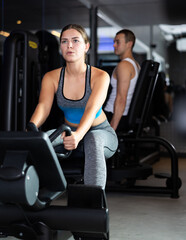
(87, 47)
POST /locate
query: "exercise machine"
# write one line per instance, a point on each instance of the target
(20, 84)
(31, 179)
(128, 164)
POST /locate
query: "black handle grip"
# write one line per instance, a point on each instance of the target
(31, 127)
(56, 133)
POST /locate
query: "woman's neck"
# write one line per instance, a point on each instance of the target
(75, 69)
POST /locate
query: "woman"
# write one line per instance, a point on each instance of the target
(80, 91)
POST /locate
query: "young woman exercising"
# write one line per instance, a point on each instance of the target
(80, 91)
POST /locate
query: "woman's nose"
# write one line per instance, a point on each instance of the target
(69, 44)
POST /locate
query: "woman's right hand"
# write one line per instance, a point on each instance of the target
(70, 142)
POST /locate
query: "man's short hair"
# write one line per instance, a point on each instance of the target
(129, 35)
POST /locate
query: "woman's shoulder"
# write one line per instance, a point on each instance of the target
(53, 73)
(99, 77)
(51, 78)
(97, 72)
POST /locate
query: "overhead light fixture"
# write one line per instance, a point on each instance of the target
(175, 30)
(181, 44)
(19, 22)
(168, 37)
(5, 34)
(55, 33)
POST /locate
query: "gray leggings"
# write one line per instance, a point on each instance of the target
(99, 144)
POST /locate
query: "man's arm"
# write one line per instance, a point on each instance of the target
(124, 73)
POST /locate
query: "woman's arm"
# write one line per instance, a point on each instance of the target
(45, 100)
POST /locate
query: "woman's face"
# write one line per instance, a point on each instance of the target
(73, 46)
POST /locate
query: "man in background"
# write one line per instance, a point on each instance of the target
(123, 80)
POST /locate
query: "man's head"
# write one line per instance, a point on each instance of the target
(124, 41)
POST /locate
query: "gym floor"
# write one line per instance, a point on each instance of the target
(143, 217)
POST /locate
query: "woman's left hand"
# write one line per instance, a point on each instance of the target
(70, 142)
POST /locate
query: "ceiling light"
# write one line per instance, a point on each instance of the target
(173, 29)
(181, 44)
(55, 33)
(5, 34)
(19, 22)
(168, 37)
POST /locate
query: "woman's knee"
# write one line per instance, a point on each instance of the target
(93, 141)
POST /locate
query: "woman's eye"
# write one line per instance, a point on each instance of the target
(63, 41)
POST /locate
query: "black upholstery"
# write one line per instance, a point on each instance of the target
(128, 166)
(140, 104)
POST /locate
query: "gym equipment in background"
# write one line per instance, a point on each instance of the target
(20, 84)
(128, 164)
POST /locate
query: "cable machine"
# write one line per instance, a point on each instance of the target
(21, 80)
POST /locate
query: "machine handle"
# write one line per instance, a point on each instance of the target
(56, 133)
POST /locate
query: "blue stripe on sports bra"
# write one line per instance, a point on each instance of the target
(74, 115)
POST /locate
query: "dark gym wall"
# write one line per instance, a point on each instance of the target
(177, 65)
(176, 11)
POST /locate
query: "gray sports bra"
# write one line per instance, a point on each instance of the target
(74, 109)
